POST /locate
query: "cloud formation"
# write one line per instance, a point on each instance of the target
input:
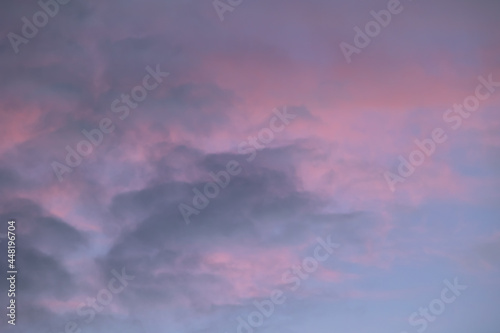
(323, 174)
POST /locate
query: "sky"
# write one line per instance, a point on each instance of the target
(237, 166)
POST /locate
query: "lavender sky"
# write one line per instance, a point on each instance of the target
(215, 83)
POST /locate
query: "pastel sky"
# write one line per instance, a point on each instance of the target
(322, 175)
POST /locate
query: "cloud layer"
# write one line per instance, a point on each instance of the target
(322, 175)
